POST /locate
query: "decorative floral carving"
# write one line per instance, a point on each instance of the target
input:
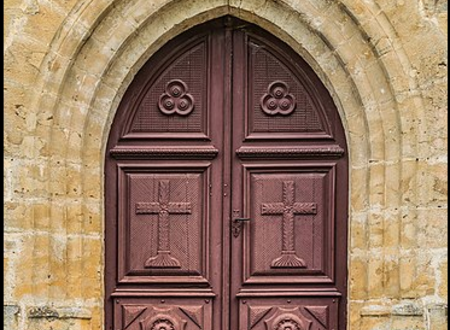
(287, 324)
(176, 99)
(278, 100)
(162, 324)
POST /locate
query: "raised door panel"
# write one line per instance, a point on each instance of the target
(281, 103)
(171, 313)
(290, 237)
(289, 313)
(163, 223)
(174, 102)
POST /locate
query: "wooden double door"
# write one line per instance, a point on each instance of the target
(226, 190)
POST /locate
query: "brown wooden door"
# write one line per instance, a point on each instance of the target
(226, 190)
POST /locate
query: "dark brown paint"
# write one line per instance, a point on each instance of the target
(226, 190)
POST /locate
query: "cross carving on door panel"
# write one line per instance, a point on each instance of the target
(163, 207)
(288, 208)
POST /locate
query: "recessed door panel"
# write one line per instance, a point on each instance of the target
(289, 236)
(170, 313)
(164, 223)
(174, 102)
(281, 104)
(294, 313)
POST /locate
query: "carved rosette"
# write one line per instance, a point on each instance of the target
(162, 324)
(287, 324)
(278, 100)
(287, 319)
(176, 99)
(169, 318)
(165, 320)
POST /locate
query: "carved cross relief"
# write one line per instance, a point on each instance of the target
(288, 208)
(164, 208)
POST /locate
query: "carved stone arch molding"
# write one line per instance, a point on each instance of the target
(81, 96)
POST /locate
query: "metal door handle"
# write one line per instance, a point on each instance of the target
(238, 222)
(237, 225)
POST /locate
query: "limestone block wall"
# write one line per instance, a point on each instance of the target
(67, 64)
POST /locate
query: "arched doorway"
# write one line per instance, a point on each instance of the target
(226, 190)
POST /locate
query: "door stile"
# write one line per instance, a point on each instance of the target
(226, 191)
(238, 207)
(216, 189)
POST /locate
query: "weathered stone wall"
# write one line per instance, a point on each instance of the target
(67, 64)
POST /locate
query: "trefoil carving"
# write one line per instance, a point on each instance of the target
(176, 99)
(278, 100)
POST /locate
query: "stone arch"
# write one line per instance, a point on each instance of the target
(353, 48)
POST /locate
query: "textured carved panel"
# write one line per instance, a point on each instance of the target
(320, 313)
(174, 92)
(291, 227)
(289, 314)
(271, 109)
(257, 314)
(164, 316)
(195, 313)
(131, 313)
(288, 208)
(163, 208)
(282, 233)
(163, 222)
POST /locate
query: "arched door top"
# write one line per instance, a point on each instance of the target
(226, 182)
